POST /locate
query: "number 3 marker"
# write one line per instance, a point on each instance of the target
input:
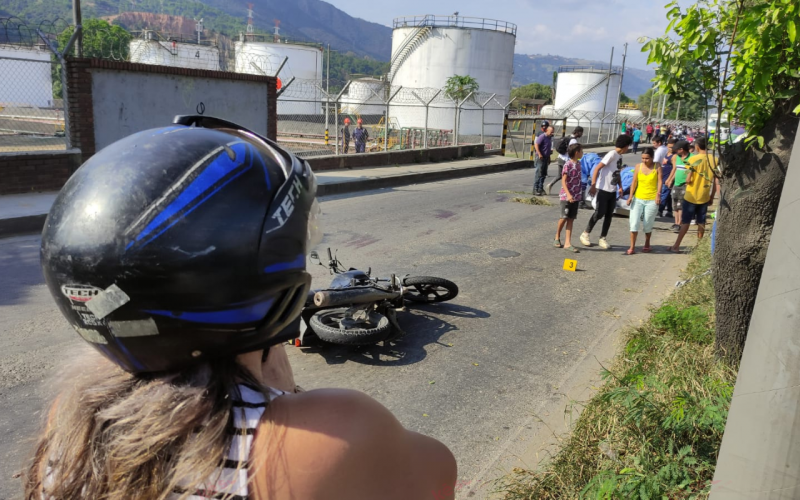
(570, 265)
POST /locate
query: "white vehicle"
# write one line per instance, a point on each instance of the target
(724, 126)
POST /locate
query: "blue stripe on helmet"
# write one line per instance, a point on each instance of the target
(298, 263)
(246, 314)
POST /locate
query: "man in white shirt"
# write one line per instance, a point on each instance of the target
(604, 187)
(563, 158)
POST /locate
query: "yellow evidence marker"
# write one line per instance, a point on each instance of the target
(570, 265)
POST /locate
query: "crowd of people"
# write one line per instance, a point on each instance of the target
(674, 179)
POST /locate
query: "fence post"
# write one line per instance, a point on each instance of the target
(386, 123)
(483, 118)
(505, 135)
(564, 128)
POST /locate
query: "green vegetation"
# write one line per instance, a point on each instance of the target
(533, 91)
(742, 55)
(345, 66)
(623, 99)
(654, 429)
(532, 200)
(459, 87)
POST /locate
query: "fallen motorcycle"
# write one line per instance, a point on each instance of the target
(359, 309)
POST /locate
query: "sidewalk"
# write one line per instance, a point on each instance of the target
(26, 213)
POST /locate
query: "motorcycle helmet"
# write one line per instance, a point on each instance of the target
(181, 244)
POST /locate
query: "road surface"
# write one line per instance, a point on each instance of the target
(472, 373)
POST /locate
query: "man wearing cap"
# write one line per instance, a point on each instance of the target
(346, 136)
(544, 148)
(360, 136)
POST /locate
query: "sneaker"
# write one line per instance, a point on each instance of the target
(694, 222)
(675, 228)
(604, 244)
(661, 214)
(585, 240)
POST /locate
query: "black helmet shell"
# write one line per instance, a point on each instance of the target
(181, 244)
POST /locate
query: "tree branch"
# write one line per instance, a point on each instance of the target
(739, 9)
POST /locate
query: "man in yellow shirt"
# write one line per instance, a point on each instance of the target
(700, 190)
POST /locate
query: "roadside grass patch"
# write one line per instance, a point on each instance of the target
(533, 200)
(654, 429)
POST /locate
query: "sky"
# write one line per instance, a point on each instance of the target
(570, 28)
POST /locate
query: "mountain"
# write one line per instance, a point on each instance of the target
(302, 20)
(530, 68)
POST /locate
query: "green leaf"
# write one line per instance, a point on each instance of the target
(761, 142)
(791, 30)
(797, 110)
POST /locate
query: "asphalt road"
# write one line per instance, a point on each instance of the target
(470, 373)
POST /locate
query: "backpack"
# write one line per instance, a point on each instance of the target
(563, 145)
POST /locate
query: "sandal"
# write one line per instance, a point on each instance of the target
(572, 249)
(674, 251)
(630, 252)
(646, 250)
(557, 243)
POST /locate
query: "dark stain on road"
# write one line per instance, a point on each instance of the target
(443, 214)
(502, 253)
(361, 240)
(426, 233)
(451, 249)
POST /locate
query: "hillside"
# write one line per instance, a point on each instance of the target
(305, 20)
(539, 69)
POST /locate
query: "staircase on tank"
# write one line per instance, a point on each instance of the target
(411, 43)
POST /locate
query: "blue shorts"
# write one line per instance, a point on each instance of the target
(691, 211)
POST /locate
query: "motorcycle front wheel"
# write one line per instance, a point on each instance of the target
(333, 325)
(429, 289)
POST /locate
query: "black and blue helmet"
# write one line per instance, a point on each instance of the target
(181, 244)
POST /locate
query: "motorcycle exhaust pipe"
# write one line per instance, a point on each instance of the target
(333, 298)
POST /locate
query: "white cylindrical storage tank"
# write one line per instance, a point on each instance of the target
(584, 88)
(634, 115)
(427, 50)
(304, 64)
(173, 53)
(28, 82)
(365, 96)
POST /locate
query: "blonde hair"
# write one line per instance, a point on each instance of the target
(110, 434)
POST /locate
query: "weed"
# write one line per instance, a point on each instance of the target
(506, 191)
(533, 200)
(654, 429)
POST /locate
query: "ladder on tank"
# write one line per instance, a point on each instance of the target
(412, 42)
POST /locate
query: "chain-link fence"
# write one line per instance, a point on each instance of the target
(31, 107)
(313, 121)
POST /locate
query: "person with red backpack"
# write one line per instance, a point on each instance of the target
(563, 157)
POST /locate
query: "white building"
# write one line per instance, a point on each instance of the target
(25, 76)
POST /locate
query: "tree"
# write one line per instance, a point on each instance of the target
(459, 87)
(533, 91)
(100, 40)
(623, 99)
(746, 59)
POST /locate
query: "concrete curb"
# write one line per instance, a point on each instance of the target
(416, 178)
(22, 225)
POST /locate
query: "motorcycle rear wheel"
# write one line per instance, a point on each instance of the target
(329, 326)
(427, 289)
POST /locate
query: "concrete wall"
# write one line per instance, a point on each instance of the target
(391, 158)
(109, 100)
(126, 102)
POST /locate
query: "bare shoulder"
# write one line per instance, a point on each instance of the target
(340, 444)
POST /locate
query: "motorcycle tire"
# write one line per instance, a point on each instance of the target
(427, 289)
(327, 325)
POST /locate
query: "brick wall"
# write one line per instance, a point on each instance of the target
(79, 85)
(33, 172)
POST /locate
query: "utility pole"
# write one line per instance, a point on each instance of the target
(621, 76)
(328, 96)
(76, 20)
(678, 112)
(652, 96)
(605, 100)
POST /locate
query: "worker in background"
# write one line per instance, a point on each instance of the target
(360, 136)
(346, 136)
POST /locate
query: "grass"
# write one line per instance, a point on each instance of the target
(654, 429)
(532, 200)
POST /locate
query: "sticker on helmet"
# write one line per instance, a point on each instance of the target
(78, 296)
(108, 301)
